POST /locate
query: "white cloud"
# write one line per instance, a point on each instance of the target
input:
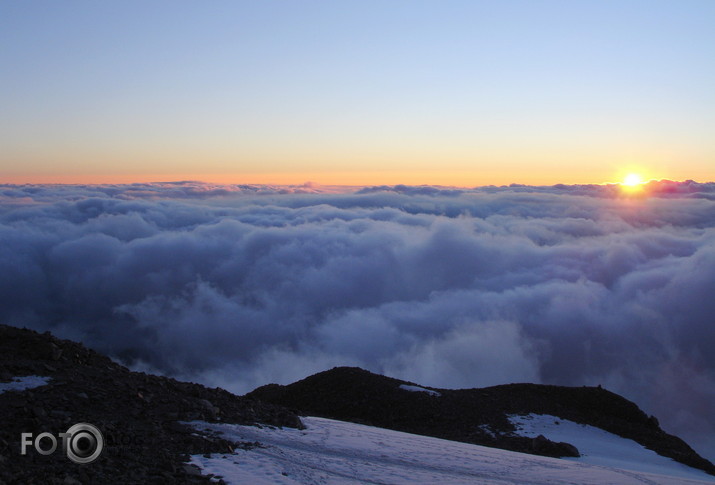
(238, 285)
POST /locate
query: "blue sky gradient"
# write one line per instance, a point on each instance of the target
(485, 92)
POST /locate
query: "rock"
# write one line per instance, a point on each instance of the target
(39, 411)
(144, 438)
(83, 476)
(209, 407)
(569, 449)
(544, 446)
(192, 470)
(55, 351)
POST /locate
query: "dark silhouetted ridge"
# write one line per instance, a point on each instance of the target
(477, 416)
(139, 415)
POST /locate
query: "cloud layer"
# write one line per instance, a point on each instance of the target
(238, 286)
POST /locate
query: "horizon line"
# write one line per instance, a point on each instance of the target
(309, 183)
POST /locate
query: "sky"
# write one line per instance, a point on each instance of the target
(465, 93)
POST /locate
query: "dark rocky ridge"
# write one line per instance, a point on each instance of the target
(474, 415)
(138, 414)
(145, 442)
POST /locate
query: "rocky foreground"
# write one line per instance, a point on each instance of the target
(139, 416)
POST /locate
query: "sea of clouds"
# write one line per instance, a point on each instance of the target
(239, 286)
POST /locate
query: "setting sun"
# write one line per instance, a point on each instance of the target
(633, 184)
(632, 179)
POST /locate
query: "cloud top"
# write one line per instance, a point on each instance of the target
(242, 285)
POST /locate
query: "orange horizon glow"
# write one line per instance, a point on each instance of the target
(365, 178)
(364, 100)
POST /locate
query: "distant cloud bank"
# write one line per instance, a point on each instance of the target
(238, 286)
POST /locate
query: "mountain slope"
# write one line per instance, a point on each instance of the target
(329, 452)
(479, 416)
(142, 417)
(139, 415)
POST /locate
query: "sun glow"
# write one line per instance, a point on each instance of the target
(633, 184)
(632, 180)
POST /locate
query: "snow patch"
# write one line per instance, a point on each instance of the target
(337, 452)
(487, 429)
(599, 447)
(407, 387)
(23, 383)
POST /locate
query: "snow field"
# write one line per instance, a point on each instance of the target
(336, 452)
(599, 447)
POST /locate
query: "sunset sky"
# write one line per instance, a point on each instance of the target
(357, 92)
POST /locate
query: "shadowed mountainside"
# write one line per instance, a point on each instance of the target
(474, 415)
(139, 415)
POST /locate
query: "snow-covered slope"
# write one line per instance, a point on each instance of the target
(408, 387)
(337, 452)
(599, 447)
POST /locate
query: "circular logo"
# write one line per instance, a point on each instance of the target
(85, 443)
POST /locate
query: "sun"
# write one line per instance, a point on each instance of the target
(633, 184)
(632, 180)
